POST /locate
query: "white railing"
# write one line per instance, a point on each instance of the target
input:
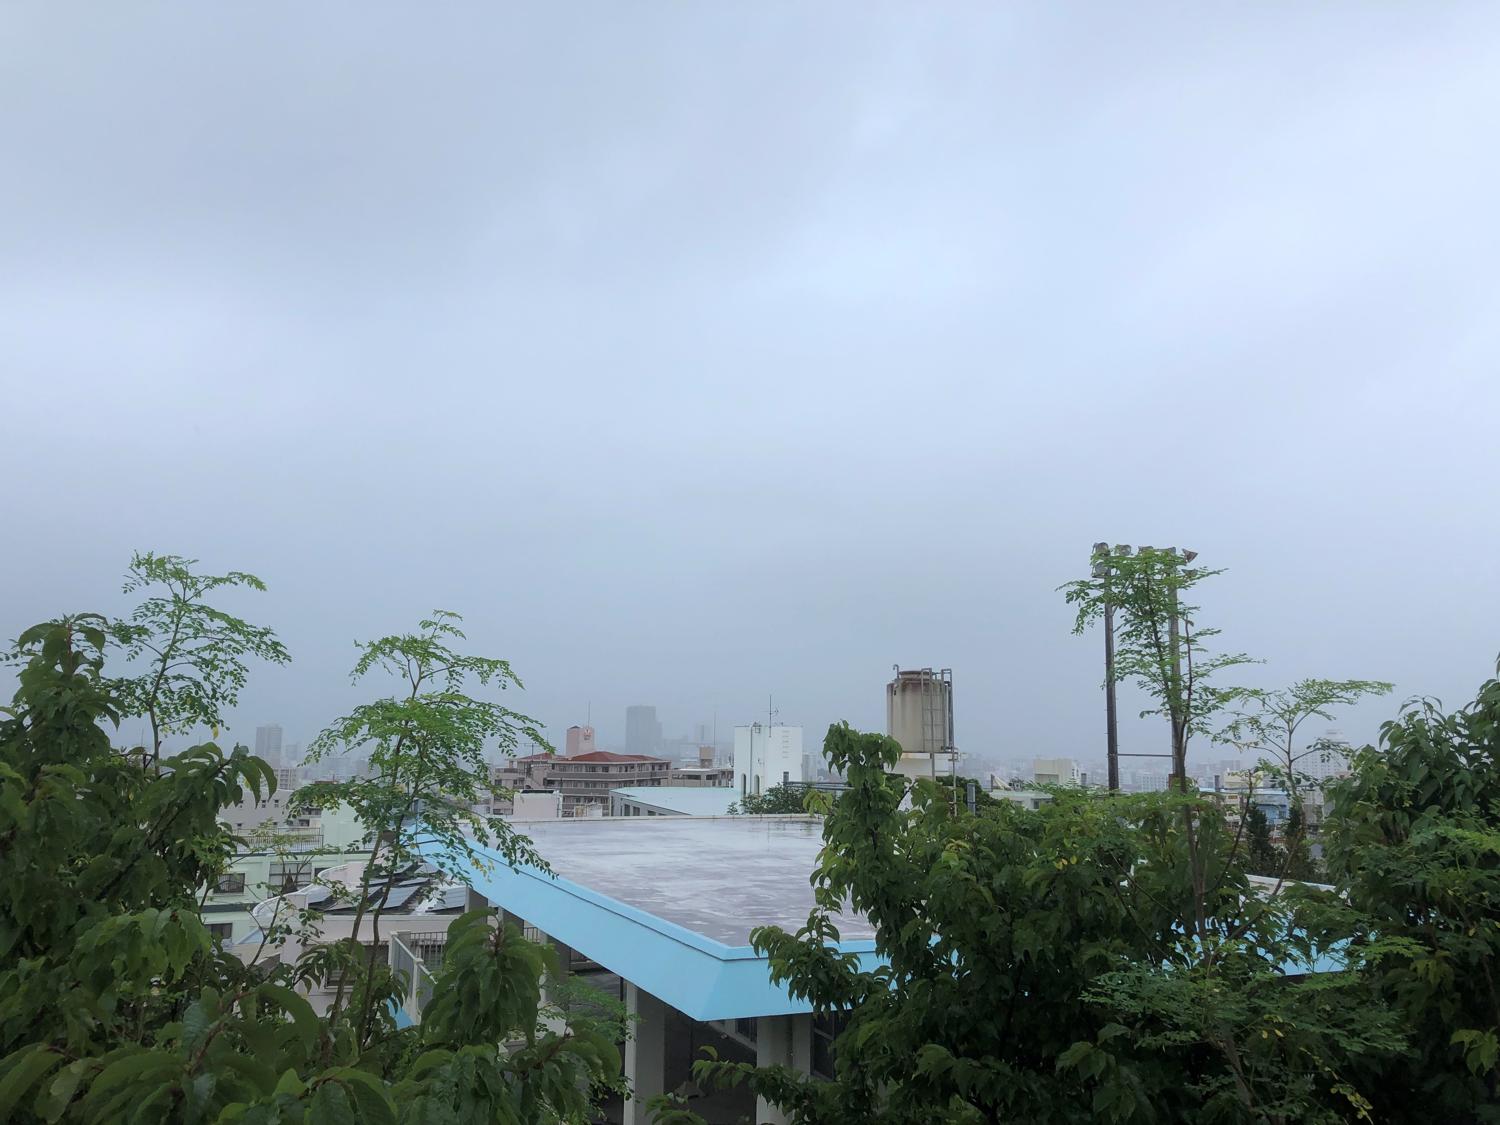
(412, 954)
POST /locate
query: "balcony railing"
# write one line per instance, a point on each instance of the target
(415, 955)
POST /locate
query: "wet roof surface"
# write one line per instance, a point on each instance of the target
(717, 876)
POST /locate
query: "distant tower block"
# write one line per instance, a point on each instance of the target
(919, 715)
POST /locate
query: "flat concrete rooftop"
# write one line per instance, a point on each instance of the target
(718, 877)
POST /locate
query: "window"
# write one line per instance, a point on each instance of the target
(231, 884)
(289, 874)
(224, 931)
(826, 1029)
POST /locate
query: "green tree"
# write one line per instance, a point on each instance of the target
(1159, 641)
(426, 749)
(1413, 839)
(1262, 857)
(1160, 648)
(116, 1005)
(1039, 968)
(192, 654)
(1267, 724)
(782, 799)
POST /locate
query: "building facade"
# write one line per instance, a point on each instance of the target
(642, 731)
(765, 757)
(579, 740)
(585, 781)
(706, 777)
(1055, 771)
(268, 744)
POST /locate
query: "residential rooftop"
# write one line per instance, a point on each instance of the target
(592, 756)
(717, 877)
(668, 902)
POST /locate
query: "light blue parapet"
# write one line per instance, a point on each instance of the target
(697, 886)
(698, 976)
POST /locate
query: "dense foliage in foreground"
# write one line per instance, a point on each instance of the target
(1103, 958)
(1058, 965)
(117, 1005)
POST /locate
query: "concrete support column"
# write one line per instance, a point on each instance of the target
(475, 901)
(550, 992)
(645, 1052)
(781, 1041)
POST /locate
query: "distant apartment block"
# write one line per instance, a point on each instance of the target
(586, 780)
(702, 777)
(642, 731)
(268, 743)
(1055, 771)
(1146, 781)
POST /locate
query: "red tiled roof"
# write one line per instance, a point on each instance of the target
(592, 756)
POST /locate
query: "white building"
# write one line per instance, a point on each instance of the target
(765, 757)
(1055, 771)
(535, 804)
(1327, 759)
(1146, 781)
(579, 740)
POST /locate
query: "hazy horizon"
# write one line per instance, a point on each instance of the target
(701, 354)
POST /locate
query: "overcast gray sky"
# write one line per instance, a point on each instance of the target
(696, 352)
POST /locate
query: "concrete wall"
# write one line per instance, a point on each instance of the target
(764, 757)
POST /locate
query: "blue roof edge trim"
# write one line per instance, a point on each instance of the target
(702, 978)
(651, 921)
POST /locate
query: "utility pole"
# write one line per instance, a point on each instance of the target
(1111, 714)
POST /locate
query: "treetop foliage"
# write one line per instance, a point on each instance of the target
(117, 1005)
(1104, 958)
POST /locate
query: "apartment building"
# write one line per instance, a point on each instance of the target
(585, 781)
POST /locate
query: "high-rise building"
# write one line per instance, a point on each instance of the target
(1327, 758)
(268, 744)
(765, 757)
(642, 730)
(579, 740)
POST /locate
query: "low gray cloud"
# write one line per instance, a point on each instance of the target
(699, 353)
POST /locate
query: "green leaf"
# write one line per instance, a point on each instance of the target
(1074, 1054)
(289, 1083)
(370, 1095)
(132, 1067)
(330, 1106)
(22, 1071)
(54, 1103)
(309, 1026)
